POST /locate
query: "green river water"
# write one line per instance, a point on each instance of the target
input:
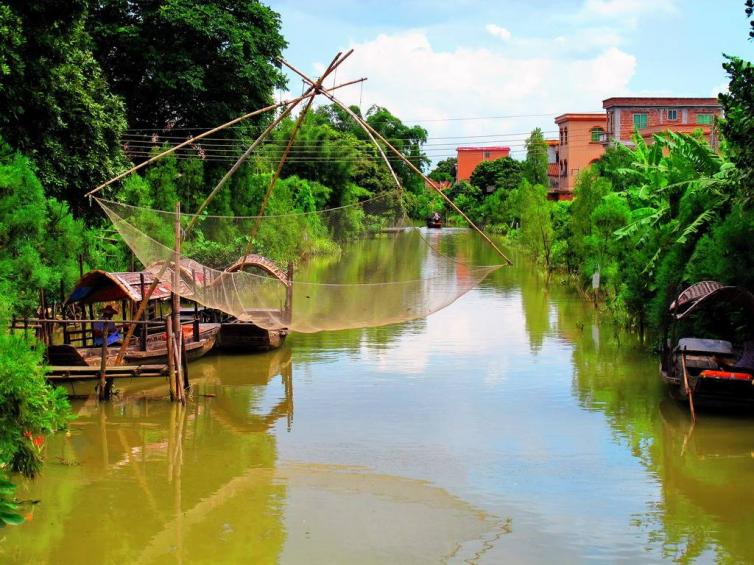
(511, 427)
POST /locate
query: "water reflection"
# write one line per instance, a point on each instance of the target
(413, 442)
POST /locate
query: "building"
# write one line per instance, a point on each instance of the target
(649, 116)
(583, 137)
(580, 144)
(553, 168)
(470, 157)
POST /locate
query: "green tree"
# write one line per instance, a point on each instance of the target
(535, 166)
(55, 104)
(188, 63)
(738, 125)
(445, 170)
(536, 221)
(409, 140)
(503, 173)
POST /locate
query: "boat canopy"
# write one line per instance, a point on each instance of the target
(103, 286)
(708, 292)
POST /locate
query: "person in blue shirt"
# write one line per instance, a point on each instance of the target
(98, 328)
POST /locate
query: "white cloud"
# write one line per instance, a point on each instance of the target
(721, 88)
(418, 82)
(498, 31)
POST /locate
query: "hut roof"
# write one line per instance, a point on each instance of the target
(103, 286)
(706, 292)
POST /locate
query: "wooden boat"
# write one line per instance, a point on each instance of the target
(434, 221)
(243, 337)
(148, 347)
(717, 368)
(240, 336)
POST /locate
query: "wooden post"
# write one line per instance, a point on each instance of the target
(177, 330)
(289, 295)
(143, 338)
(171, 357)
(83, 327)
(81, 266)
(196, 308)
(689, 392)
(184, 363)
(103, 362)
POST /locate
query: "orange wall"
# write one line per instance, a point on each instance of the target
(470, 157)
(578, 150)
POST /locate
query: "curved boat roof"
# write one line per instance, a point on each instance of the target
(707, 292)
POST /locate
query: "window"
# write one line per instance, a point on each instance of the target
(640, 121)
(565, 167)
(597, 134)
(672, 115)
(486, 154)
(704, 119)
(565, 136)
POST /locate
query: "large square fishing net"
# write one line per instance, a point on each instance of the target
(355, 266)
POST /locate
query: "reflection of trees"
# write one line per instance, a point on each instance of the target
(160, 481)
(706, 501)
(536, 306)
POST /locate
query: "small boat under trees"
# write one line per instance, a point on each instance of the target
(716, 367)
(149, 344)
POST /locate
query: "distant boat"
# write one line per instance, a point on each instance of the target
(434, 221)
(716, 368)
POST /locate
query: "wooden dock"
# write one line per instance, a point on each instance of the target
(62, 374)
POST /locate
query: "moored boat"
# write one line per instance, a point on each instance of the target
(717, 367)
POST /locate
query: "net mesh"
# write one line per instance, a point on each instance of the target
(355, 266)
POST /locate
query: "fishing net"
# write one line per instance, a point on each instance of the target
(354, 266)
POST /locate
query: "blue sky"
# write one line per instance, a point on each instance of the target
(434, 62)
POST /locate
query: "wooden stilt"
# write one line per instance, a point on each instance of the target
(171, 357)
(689, 392)
(177, 330)
(103, 362)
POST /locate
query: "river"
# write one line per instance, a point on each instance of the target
(512, 426)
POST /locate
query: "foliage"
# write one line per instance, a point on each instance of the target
(186, 63)
(445, 170)
(535, 166)
(503, 173)
(29, 407)
(39, 238)
(738, 126)
(55, 104)
(536, 221)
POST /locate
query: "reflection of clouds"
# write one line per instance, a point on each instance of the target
(473, 325)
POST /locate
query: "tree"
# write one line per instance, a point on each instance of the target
(503, 173)
(188, 63)
(535, 166)
(55, 104)
(406, 139)
(445, 170)
(536, 221)
(738, 125)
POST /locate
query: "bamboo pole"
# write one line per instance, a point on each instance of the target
(103, 362)
(413, 167)
(689, 392)
(210, 132)
(155, 282)
(317, 88)
(171, 359)
(177, 330)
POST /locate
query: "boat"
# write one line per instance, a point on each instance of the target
(434, 221)
(148, 345)
(243, 336)
(708, 354)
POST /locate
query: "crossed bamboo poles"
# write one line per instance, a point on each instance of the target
(315, 88)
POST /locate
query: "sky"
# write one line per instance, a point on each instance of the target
(486, 73)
